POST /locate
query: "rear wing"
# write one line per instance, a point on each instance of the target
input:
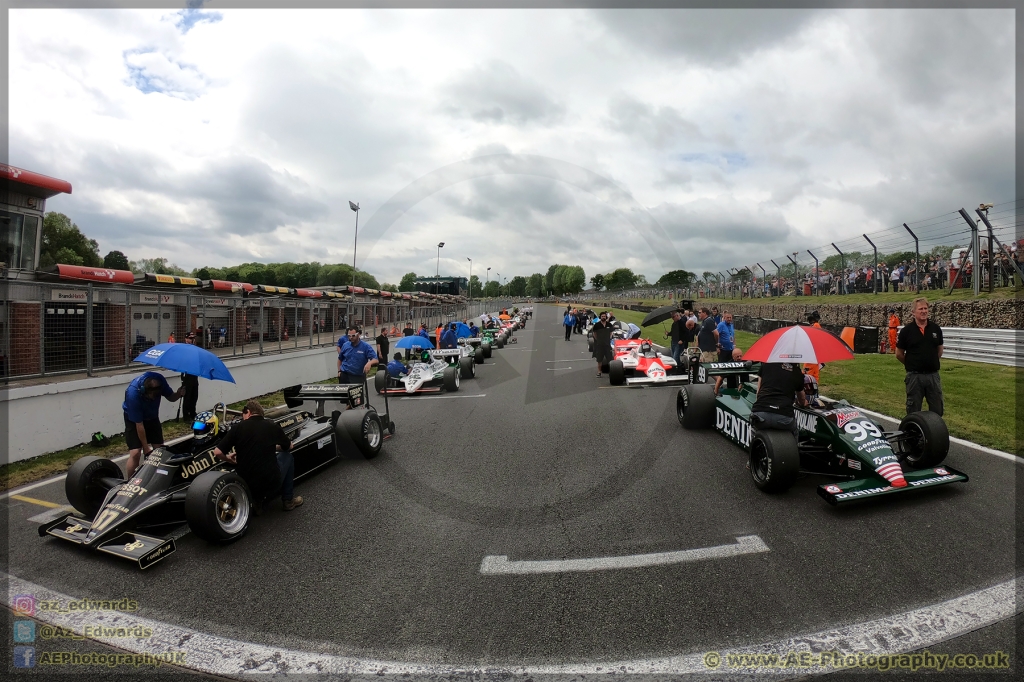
(700, 373)
(350, 394)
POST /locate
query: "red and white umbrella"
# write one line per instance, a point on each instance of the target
(799, 344)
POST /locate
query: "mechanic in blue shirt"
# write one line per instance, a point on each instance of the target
(355, 358)
(474, 330)
(141, 407)
(396, 367)
(423, 332)
(449, 338)
(726, 343)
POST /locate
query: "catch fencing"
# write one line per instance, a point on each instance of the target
(52, 329)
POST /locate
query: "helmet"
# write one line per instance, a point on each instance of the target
(205, 426)
(645, 348)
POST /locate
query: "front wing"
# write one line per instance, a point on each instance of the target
(145, 550)
(667, 380)
(862, 488)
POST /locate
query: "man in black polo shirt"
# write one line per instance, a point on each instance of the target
(919, 347)
(778, 384)
(265, 471)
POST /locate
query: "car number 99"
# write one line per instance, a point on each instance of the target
(862, 429)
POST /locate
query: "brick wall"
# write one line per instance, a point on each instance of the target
(25, 332)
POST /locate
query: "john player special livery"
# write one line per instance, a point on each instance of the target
(182, 486)
(834, 439)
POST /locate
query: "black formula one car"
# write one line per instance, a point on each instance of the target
(182, 486)
(835, 440)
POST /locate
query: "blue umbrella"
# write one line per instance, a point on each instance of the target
(414, 341)
(188, 359)
(462, 331)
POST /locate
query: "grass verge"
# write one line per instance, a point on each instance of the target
(980, 403)
(849, 299)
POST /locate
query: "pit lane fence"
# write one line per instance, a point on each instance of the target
(64, 329)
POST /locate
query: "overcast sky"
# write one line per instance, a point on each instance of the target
(214, 137)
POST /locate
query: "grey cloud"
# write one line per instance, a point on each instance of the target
(515, 198)
(241, 195)
(494, 92)
(657, 126)
(716, 37)
(723, 220)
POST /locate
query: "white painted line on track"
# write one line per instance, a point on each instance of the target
(447, 397)
(555, 369)
(959, 441)
(580, 360)
(500, 565)
(215, 655)
(52, 514)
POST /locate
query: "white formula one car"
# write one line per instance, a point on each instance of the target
(440, 370)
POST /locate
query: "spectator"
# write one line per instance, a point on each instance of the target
(726, 335)
(678, 335)
(262, 453)
(190, 383)
(223, 337)
(568, 321)
(141, 408)
(383, 344)
(602, 331)
(894, 325)
(707, 336)
(919, 347)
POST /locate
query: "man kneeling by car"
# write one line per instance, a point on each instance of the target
(778, 383)
(266, 471)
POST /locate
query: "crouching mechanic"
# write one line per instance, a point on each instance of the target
(141, 407)
(396, 367)
(778, 383)
(262, 453)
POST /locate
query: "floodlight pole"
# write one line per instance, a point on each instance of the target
(470, 277)
(437, 269)
(355, 240)
(917, 258)
(874, 274)
(842, 265)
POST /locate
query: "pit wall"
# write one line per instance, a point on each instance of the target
(55, 416)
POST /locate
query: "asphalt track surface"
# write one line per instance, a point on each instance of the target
(550, 463)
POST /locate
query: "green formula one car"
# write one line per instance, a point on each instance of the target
(494, 338)
(834, 439)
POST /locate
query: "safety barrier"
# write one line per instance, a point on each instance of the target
(994, 346)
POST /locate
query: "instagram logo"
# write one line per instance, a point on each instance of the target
(25, 605)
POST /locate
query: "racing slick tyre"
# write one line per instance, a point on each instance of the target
(478, 355)
(362, 429)
(684, 364)
(774, 460)
(217, 506)
(451, 379)
(380, 381)
(83, 485)
(500, 341)
(695, 407)
(929, 444)
(485, 349)
(467, 368)
(590, 345)
(616, 373)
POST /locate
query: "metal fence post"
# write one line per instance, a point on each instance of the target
(42, 333)
(874, 274)
(262, 326)
(88, 329)
(917, 259)
(311, 324)
(842, 267)
(159, 316)
(975, 258)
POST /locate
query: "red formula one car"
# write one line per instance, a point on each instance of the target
(640, 361)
